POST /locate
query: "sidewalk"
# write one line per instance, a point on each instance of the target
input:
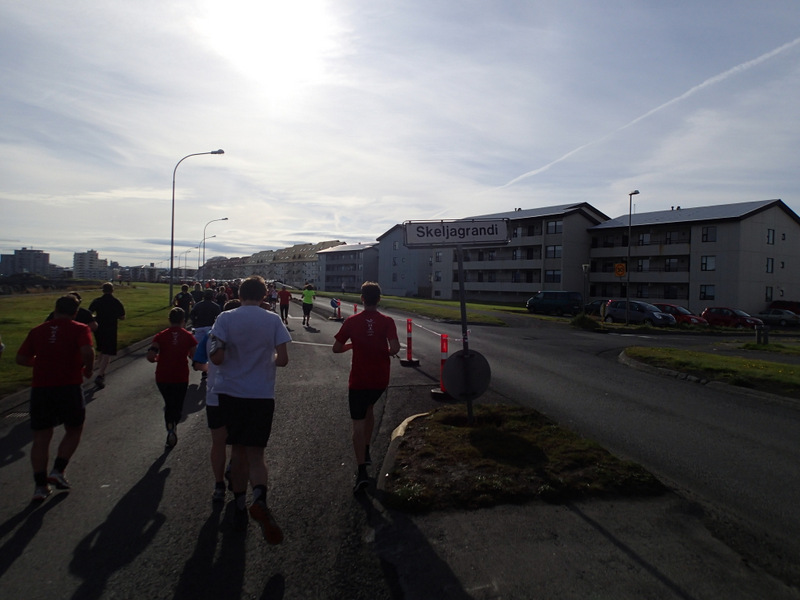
(615, 549)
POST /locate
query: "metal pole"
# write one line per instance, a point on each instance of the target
(204, 244)
(628, 262)
(172, 228)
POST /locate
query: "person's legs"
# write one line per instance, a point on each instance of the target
(69, 443)
(102, 364)
(359, 440)
(218, 454)
(40, 449)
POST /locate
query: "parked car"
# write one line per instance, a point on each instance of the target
(556, 303)
(593, 307)
(791, 305)
(722, 316)
(639, 312)
(780, 317)
(681, 314)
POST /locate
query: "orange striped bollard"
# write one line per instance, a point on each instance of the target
(444, 359)
(409, 361)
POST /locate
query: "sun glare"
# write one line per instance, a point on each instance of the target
(283, 45)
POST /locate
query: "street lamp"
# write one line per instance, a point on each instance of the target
(204, 243)
(628, 262)
(172, 230)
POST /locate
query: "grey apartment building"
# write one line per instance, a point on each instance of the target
(742, 255)
(548, 250)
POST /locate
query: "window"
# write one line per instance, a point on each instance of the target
(770, 265)
(770, 236)
(535, 229)
(437, 276)
(644, 239)
(709, 234)
(490, 254)
(438, 256)
(552, 276)
(553, 252)
(395, 245)
(768, 294)
(643, 265)
(555, 226)
(707, 292)
(671, 264)
(708, 263)
(492, 277)
(515, 254)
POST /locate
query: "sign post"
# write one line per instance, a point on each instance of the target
(466, 374)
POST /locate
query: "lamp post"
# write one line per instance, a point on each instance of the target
(172, 230)
(185, 257)
(628, 262)
(204, 244)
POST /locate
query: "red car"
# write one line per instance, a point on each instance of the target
(722, 316)
(681, 314)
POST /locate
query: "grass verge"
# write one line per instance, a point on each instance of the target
(509, 454)
(146, 308)
(773, 377)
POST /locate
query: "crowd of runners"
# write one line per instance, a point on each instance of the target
(235, 334)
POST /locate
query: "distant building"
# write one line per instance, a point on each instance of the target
(742, 255)
(88, 265)
(299, 264)
(345, 267)
(26, 260)
(403, 271)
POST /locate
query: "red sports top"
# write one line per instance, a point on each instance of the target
(172, 364)
(56, 346)
(284, 296)
(370, 332)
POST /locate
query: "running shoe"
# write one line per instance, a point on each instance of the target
(362, 481)
(41, 493)
(100, 382)
(58, 480)
(260, 513)
(219, 494)
(172, 438)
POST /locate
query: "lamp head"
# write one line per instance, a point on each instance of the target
(220, 151)
(633, 193)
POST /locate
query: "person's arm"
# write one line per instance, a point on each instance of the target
(190, 353)
(216, 349)
(339, 347)
(281, 355)
(152, 352)
(24, 360)
(87, 356)
(394, 347)
(93, 325)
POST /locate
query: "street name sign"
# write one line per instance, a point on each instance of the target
(464, 232)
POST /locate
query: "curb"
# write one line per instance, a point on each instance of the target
(388, 461)
(626, 360)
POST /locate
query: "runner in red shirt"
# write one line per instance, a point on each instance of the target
(373, 340)
(284, 297)
(60, 352)
(171, 350)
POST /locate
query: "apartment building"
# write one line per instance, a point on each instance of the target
(345, 267)
(548, 250)
(403, 271)
(743, 255)
(26, 260)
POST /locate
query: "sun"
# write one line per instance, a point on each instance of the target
(282, 45)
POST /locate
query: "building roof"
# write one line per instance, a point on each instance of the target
(348, 248)
(721, 212)
(544, 211)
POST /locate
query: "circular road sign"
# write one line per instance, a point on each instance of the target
(466, 375)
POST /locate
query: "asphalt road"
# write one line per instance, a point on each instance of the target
(139, 522)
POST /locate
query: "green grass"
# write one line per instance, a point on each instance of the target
(146, 308)
(774, 377)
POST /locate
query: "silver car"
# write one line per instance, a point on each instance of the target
(639, 313)
(779, 316)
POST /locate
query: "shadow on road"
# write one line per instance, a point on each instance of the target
(31, 520)
(130, 527)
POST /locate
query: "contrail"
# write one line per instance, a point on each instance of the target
(708, 82)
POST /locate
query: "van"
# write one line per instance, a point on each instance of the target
(556, 303)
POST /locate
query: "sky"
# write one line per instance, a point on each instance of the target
(342, 118)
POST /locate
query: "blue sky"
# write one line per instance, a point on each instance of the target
(342, 118)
